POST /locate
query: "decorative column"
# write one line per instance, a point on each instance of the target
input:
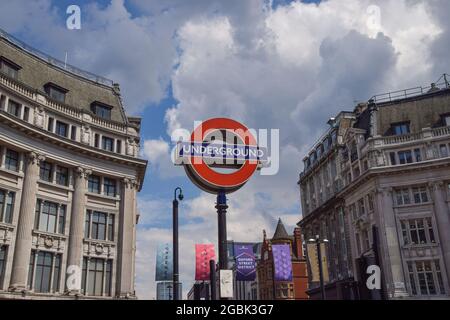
(23, 245)
(75, 251)
(126, 244)
(442, 215)
(392, 259)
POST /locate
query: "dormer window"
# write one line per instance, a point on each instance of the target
(102, 110)
(400, 129)
(56, 92)
(9, 68)
(446, 120)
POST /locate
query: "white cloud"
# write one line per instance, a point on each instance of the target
(289, 68)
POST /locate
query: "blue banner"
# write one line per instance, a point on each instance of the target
(164, 262)
(245, 262)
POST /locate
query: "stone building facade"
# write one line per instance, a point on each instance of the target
(268, 288)
(377, 187)
(69, 177)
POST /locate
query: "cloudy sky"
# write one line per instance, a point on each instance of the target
(288, 65)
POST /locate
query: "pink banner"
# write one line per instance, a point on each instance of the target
(203, 253)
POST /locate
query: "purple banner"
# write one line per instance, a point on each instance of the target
(245, 262)
(282, 262)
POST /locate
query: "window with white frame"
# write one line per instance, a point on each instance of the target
(109, 187)
(62, 175)
(99, 225)
(46, 171)
(6, 206)
(425, 278)
(44, 273)
(420, 195)
(405, 157)
(50, 217)
(402, 197)
(96, 277)
(14, 108)
(12, 160)
(418, 231)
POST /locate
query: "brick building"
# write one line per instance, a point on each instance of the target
(278, 290)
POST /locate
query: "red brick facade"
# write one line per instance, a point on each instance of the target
(294, 290)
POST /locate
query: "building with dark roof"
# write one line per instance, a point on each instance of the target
(377, 187)
(69, 176)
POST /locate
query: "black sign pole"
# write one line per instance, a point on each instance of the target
(222, 207)
(212, 277)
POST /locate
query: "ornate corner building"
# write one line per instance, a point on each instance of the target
(69, 176)
(377, 187)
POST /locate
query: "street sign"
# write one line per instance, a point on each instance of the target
(220, 143)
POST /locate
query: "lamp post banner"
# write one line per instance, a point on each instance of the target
(203, 254)
(282, 261)
(164, 262)
(245, 262)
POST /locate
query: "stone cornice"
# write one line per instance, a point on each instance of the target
(73, 146)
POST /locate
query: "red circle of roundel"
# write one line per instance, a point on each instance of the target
(223, 180)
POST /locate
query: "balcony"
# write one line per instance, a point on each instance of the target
(427, 134)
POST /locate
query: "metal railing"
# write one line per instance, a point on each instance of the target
(55, 62)
(442, 83)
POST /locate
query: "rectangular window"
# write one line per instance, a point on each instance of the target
(14, 108)
(119, 146)
(101, 110)
(403, 197)
(111, 227)
(50, 124)
(46, 171)
(393, 158)
(446, 120)
(107, 144)
(73, 133)
(109, 187)
(12, 160)
(94, 184)
(9, 68)
(50, 217)
(399, 129)
(96, 277)
(55, 92)
(418, 231)
(417, 155)
(62, 176)
(443, 150)
(26, 114)
(98, 225)
(61, 129)
(96, 140)
(371, 202)
(405, 157)
(420, 195)
(47, 264)
(361, 208)
(6, 206)
(3, 255)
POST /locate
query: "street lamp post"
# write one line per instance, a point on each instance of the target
(175, 240)
(318, 242)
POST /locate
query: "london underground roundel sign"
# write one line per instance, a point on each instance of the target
(222, 144)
